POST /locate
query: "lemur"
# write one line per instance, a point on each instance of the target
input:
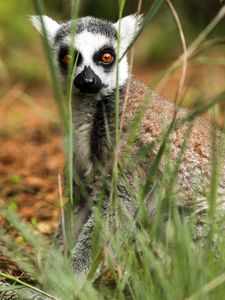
(94, 94)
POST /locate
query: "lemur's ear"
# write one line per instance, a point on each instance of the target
(129, 27)
(51, 26)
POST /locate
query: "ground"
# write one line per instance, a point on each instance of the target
(31, 159)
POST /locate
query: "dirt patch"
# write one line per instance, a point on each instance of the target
(31, 157)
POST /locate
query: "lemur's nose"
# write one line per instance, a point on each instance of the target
(88, 82)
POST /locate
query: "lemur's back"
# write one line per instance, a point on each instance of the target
(195, 170)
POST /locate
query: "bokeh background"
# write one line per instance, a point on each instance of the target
(22, 58)
(31, 154)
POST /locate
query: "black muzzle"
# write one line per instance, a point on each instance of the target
(88, 82)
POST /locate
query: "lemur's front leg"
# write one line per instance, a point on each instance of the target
(82, 251)
(81, 254)
(81, 238)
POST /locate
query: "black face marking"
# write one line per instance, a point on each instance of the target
(104, 114)
(64, 50)
(89, 24)
(88, 82)
(97, 57)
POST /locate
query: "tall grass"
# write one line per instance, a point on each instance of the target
(162, 259)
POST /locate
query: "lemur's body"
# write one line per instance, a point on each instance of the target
(94, 102)
(195, 168)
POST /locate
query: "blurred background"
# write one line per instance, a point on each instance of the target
(31, 155)
(21, 55)
(22, 58)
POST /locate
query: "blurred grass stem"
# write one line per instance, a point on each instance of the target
(127, 95)
(38, 4)
(13, 278)
(184, 56)
(192, 48)
(114, 191)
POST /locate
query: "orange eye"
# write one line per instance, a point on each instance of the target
(107, 58)
(67, 59)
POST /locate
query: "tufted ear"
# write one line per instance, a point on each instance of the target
(129, 27)
(51, 26)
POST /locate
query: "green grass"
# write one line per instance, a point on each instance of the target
(165, 258)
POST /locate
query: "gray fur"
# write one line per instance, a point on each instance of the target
(90, 24)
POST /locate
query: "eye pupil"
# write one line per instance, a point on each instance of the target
(107, 58)
(67, 58)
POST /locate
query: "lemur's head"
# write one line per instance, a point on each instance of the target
(95, 49)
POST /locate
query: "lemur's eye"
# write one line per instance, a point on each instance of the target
(107, 58)
(67, 58)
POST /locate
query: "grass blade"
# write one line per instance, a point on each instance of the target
(56, 85)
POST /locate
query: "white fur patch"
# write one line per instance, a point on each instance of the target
(87, 44)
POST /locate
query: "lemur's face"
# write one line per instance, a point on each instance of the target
(95, 51)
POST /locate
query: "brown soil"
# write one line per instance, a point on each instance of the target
(31, 156)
